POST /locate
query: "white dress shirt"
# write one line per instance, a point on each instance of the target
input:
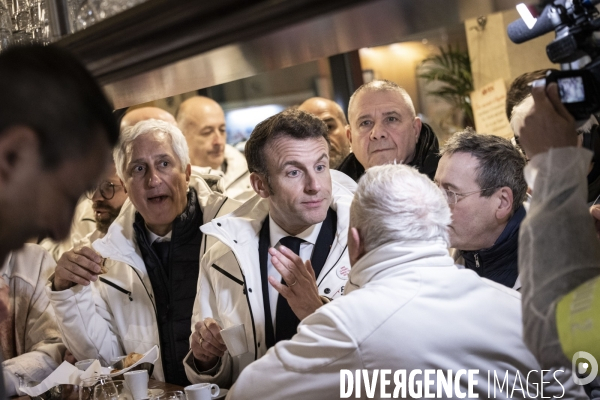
(309, 236)
(153, 237)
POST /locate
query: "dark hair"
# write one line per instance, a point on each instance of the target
(48, 90)
(292, 123)
(500, 163)
(519, 89)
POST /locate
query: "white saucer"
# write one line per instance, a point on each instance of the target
(155, 392)
(222, 394)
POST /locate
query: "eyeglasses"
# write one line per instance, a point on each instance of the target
(452, 196)
(107, 190)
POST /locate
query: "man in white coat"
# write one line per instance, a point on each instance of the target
(29, 338)
(202, 121)
(151, 255)
(299, 207)
(408, 315)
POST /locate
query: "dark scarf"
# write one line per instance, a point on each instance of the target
(426, 157)
(173, 269)
(499, 263)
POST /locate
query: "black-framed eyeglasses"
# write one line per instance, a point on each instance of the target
(452, 196)
(106, 188)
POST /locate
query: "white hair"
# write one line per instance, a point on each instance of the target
(149, 126)
(395, 203)
(383, 85)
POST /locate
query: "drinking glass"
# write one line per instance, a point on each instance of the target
(87, 386)
(175, 395)
(6, 38)
(88, 14)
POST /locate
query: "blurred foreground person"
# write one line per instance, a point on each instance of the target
(56, 131)
(29, 338)
(482, 176)
(136, 287)
(405, 307)
(559, 250)
(202, 121)
(384, 129)
(333, 116)
(302, 210)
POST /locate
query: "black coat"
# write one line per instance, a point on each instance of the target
(426, 157)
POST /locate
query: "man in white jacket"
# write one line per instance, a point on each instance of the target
(202, 121)
(299, 204)
(145, 297)
(408, 316)
(29, 338)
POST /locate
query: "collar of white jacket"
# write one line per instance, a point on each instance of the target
(390, 259)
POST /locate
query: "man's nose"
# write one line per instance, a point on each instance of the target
(153, 178)
(313, 185)
(377, 132)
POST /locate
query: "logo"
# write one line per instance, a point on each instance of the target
(342, 272)
(585, 368)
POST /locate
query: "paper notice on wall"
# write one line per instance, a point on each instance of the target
(489, 110)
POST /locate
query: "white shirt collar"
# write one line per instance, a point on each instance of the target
(309, 235)
(153, 237)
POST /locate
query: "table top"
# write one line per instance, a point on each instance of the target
(152, 384)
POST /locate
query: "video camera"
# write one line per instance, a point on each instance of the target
(576, 47)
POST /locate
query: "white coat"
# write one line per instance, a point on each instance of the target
(406, 307)
(109, 320)
(38, 346)
(83, 224)
(230, 288)
(236, 179)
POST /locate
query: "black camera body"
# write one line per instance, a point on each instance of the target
(576, 47)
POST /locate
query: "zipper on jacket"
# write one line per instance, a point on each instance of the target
(119, 288)
(227, 274)
(476, 260)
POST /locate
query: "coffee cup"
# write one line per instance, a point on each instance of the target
(235, 340)
(202, 391)
(137, 383)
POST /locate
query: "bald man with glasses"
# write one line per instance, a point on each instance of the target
(482, 178)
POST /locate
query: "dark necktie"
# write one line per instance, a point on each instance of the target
(286, 322)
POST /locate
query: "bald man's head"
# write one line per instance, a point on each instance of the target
(333, 115)
(144, 113)
(202, 121)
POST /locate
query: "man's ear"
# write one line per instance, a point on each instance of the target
(349, 134)
(19, 149)
(505, 204)
(417, 125)
(188, 172)
(260, 185)
(355, 246)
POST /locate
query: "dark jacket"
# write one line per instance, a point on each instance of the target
(173, 269)
(426, 157)
(499, 263)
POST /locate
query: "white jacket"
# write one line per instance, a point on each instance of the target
(406, 307)
(83, 224)
(38, 345)
(237, 177)
(108, 320)
(230, 288)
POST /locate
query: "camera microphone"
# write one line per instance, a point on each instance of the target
(518, 32)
